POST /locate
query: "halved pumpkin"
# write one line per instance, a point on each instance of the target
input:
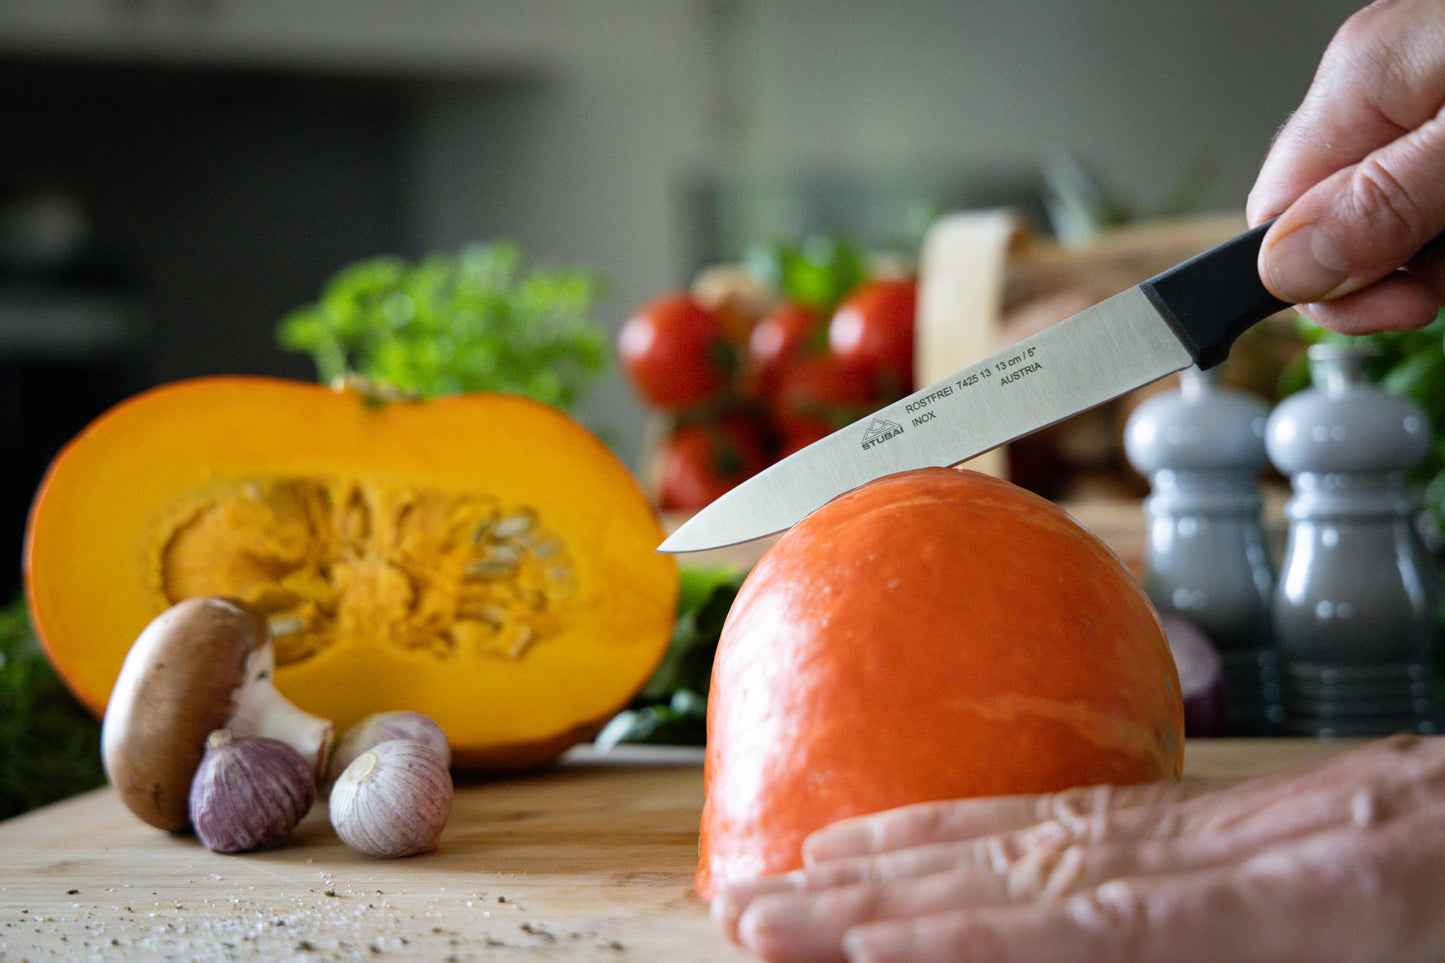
(481, 558)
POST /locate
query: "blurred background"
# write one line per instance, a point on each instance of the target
(176, 175)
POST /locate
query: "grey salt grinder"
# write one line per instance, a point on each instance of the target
(1206, 555)
(1356, 606)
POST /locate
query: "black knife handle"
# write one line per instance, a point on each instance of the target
(1214, 297)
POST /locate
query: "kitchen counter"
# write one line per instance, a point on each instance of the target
(590, 859)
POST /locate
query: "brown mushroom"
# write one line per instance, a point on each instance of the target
(203, 664)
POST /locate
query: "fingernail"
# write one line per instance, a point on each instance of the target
(734, 897)
(1304, 265)
(771, 925)
(801, 926)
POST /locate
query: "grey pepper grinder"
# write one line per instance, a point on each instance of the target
(1358, 598)
(1206, 556)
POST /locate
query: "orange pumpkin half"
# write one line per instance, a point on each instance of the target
(481, 558)
(935, 634)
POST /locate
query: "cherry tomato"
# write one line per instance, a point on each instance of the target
(676, 353)
(817, 396)
(872, 331)
(784, 334)
(698, 461)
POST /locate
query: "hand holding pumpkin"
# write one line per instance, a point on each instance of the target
(1340, 859)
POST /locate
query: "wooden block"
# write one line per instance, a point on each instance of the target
(963, 267)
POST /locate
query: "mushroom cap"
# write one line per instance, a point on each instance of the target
(176, 685)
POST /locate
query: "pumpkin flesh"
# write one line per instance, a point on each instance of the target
(480, 558)
(933, 635)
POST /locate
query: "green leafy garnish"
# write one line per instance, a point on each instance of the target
(49, 743)
(471, 321)
(817, 273)
(671, 709)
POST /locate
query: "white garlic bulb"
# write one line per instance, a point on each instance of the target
(381, 726)
(249, 792)
(394, 799)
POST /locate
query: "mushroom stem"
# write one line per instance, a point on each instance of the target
(203, 664)
(261, 710)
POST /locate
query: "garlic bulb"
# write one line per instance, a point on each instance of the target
(378, 728)
(249, 792)
(394, 799)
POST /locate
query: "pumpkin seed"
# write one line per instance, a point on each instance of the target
(521, 641)
(286, 625)
(499, 561)
(512, 526)
(483, 531)
(493, 615)
(492, 568)
(547, 546)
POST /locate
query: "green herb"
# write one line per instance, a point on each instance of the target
(471, 321)
(818, 273)
(49, 743)
(671, 709)
(681, 721)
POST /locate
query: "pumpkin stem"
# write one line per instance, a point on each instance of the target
(372, 391)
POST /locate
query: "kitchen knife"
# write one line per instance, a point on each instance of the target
(1188, 315)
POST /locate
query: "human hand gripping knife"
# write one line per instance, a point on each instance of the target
(1188, 315)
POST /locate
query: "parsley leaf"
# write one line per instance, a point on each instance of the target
(476, 320)
(49, 743)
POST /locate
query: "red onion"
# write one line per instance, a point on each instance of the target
(1201, 676)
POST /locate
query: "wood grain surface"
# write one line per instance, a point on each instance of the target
(591, 859)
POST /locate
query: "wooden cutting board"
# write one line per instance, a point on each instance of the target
(591, 859)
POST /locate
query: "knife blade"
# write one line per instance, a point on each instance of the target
(1190, 314)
